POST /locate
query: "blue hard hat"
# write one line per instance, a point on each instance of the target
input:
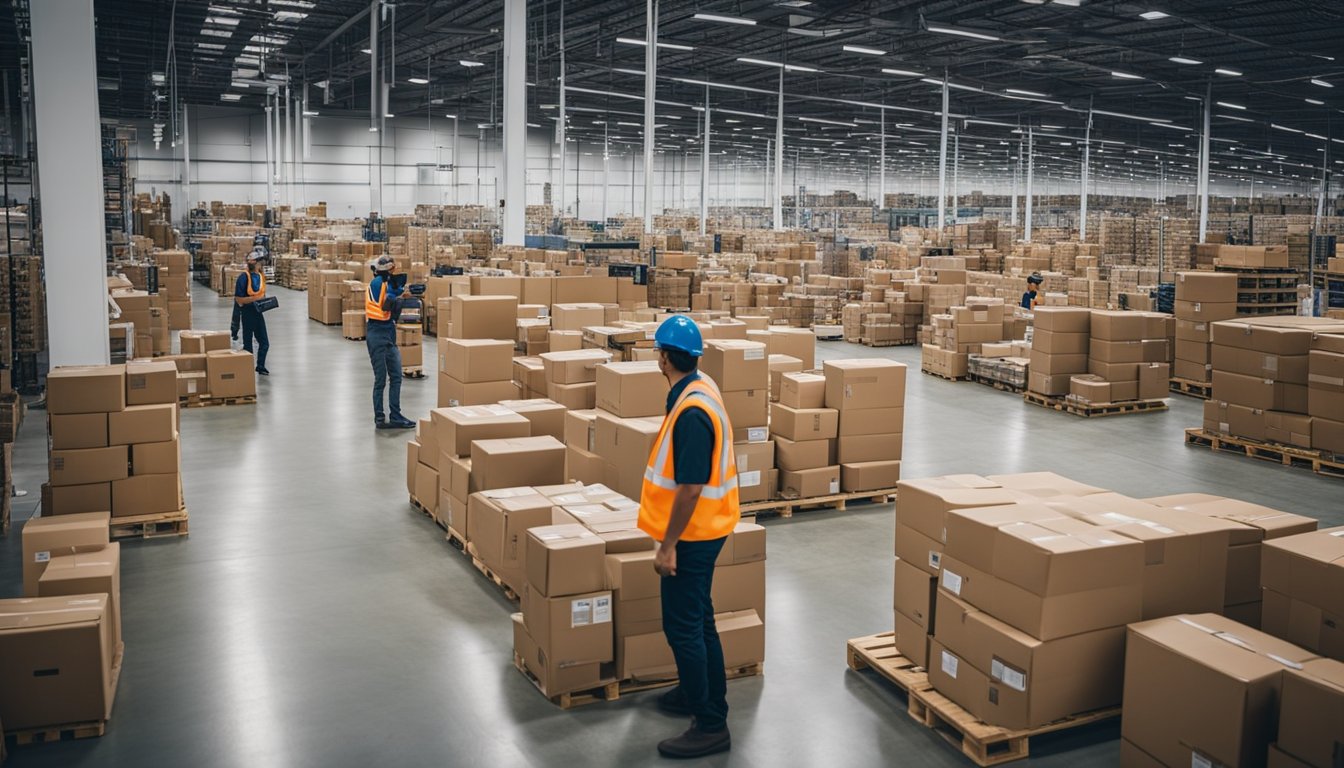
(679, 332)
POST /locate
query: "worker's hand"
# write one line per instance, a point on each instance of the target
(665, 561)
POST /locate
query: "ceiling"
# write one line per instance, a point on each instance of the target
(1275, 69)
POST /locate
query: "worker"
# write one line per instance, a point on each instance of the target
(1029, 299)
(689, 504)
(251, 288)
(381, 339)
(235, 322)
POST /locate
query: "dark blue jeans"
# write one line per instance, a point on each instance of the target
(254, 326)
(381, 339)
(688, 623)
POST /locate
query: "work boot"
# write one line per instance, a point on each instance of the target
(673, 702)
(696, 743)
(380, 423)
(401, 422)
(263, 372)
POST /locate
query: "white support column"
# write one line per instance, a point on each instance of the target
(650, 91)
(515, 122)
(1082, 192)
(270, 174)
(65, 77)
(186, 161)
(1031, 171)
(560, 118)
(375, 88)
(1204, 165)
(956, 172)
(777, 202)
(1017, 171)
(704, 167)
(606, 171)
(942, 161)
(881, 160)
(1325, 183)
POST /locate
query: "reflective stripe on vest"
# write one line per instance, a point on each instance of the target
(247, 284)
(373, 308)
(717, 511)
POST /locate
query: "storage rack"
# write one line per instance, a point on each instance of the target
(118, 188)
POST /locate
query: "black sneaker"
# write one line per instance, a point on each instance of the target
(401, 422)
(382, 424)
(673, 702)
(696, 743)
(263, 372)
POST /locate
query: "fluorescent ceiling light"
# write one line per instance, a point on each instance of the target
(1022, 92)
(787, 67)
(1317, 102)
(724, 19)
(310, 113)
(639, 72)
(451, 117)
(669, 46)
(417, 80)
(290, 16)
(373, 129)
(230, 96)
(901, 72)
(1126, 76)
(216, 32)
(1322, 83)
(861, 49)
(238, 84)
(1184, 60)
(388, 114)
(827, 122)
(223, 21)
(1234, 117)
(961, 32)
(1228, 72)
(368, 51)
(1153, 15)
(1229, 105)
(470, 63)
(1173, 126)
(930, 81)
(211, 46)
(1284, 128)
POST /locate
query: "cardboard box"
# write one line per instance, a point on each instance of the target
(576, 367)
(855, 449)
(913, 595)
(483, 317)
(457, 427)
(1310, 712)
(1327, 435)
(1048, 384)
(574, 628)
(912, 640)
(143, 424)
(151, 382)
(146, 495)
(199, 342)
(1206, 286)
(1154, 381)
(86, 389)
(802, 391)
(1302, 577)
(230, 374)
(555, 677)
(740, 587)
(742, 634)
(631, 389)
(1062, 319)
(574, 317)
(498, 521)
(794, 342)
(808, 483)
(510, 462)
(803, 424)
(564, 560)
(474, 360)
(869, 475)
(736, 365)
(156, 458)
(1051, 365)
(923, 504)
(1203, 688)
(747, 407)
(864, 383)
(77, 499)
(793, 456)
(545, 416)
(873, 421)
(1261, 394)
(88, 465)
(1060, 343)
(453, 393)
(47, 537)
(88, 573)
(77, 430)
(69, 634)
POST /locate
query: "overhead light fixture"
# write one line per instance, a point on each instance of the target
(388, 115)
(283, 16)
(373, 129)
(1317, 102)
(787, 67)
(901, 72)
(1184, 60)
(1322, 83)
(1284, 128)
(669, 46)
(216, 32)
(1229, 105)
(470, 63)
(451, 117)
(1022, 92)
(1153, 15)
(1228, 72)
(827, 122)
(1126, 76)
(310, 113)
(1173, 126)
(230, 96)
(861, 49)
(1234, 117)
(223, 21)
(724, 19)
(417, 80)
(961, 32)
(368, 51)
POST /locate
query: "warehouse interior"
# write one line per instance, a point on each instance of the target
(1046, 293)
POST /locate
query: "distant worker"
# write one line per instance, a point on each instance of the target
(381, 339)
(1033, 290)
(689, 504)
(251, 288)
(258, 253)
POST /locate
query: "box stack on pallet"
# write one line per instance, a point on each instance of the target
(963, 331)
(326, 294)
(1099, 362)
(1202, 298)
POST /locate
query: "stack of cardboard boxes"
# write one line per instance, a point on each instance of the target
(410, 343)
(175, 283)
(571, 376)
(326, 294)
(149, 314)
(475, 371)
(1059, 349)
(1127, 358)
(960, 333)
(1202, 298)
(1325, 392)
(114, 440)
(1302, 584)
(803, 433)
(869, 396)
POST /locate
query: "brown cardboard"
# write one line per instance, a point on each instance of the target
(1206, 286)
(498, 521)
(1288, 428)
(631, 389)
(912, 640)
(476, 360)
(576, 367)
(146, 495)
(794, 342)
(923, 504)
(742, 634)
(1154, 381)
(873, 421)
(854, 449)
(1302, 624)
(746, 544)
(1060, 343)
(971, 532)
(230, 374)
(69, 634)
(1327, 435)
(151, 382)
(156, 458)
(1044, 484)
(802, 391)
(747, 407)
(545, 417)
(803, 424)
(1048, 384)
(919, 550)
(564, 560)
(1091, 389)
(736, 365)
(77, 499)
(509, 462)
(87, 573)
(810, 482)
(425, 488)
(1203, 684)
(483, 317)
(143, 424)
(864, 383)
(1051, 365)
(1310, 712)
(456, 427)
(793, 456)
(1062, 319)
(913, 594)
(739, 587)
(645, 656)
(1291, 369)
(86, 389)
(77, 430)
(575, 629)
(869, 475)
(88, 465)
(1228, 418)
(1259, 393)
(1309, 569)
(453, 393)
(47, 537)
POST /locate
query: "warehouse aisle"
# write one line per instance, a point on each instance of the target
(313, 619)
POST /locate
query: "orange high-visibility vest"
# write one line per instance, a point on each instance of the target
(717, 512)
(248, 284)
(373, 307)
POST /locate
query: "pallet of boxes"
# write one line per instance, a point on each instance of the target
(1099, 362)
(1014, 596)
(114, 447)
(211, 372)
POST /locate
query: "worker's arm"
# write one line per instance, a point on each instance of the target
(683, 506)
(240, 296)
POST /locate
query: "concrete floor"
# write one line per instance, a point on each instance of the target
(313, 619)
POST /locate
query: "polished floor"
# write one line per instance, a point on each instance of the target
(313, 619)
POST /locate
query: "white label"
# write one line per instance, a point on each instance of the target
(749, 479)
(935, 559)
(1337, 533)
(753, 353)
(41, 557)
(1284, 662)
(191, 387)
(950, 665)
(757, 434)
(580, 612)
(602, 610)
(1199, 761)
(952, 582)
(835, 486)
(1007, 675)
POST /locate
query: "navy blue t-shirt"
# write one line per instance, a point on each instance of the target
(240, 287)
(692, 439)
(376, 288)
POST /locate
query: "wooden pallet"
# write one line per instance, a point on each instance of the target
(1002, 386)
(415, 372)
(201, 401)
(985, 744)
(942, 376)
(1094, 409)
(838, 502)
(869, 343)
(1320, 462)
(489, 574)
(150, 526)
(26, 736)
(456, 539)
(612, 691)
(1201, 389)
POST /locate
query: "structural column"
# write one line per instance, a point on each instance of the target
(515, 122)
(1031, 168)
(1082, 193)
(1204, 165)
(186, 161)
(560, 119)
(777, 204)
(650, 91)
(942, 161)
(1017, 170)
(70, 164)
(956, 172)
(704, 168)
(881, 160)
